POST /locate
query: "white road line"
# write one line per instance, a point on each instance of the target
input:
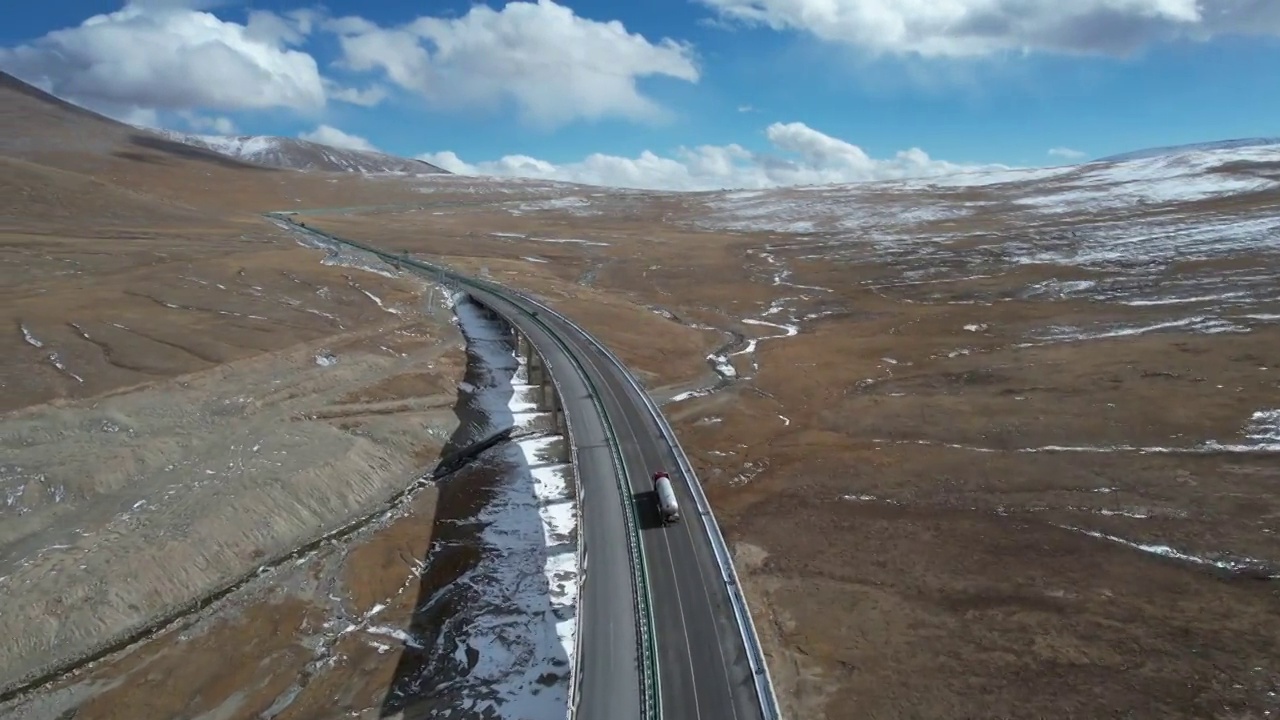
(724, 663)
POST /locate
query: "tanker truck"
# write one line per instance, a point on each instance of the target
(667, 506)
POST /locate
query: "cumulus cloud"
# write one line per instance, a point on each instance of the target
(368, 97)
(289, 28)
(165, 55)
(136, 116)
(333, 137)
(1066, 153)
(803, 156)
(181, 4)
(982, 27)
(552, 65)
(208, 125)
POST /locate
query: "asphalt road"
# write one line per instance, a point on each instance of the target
(702, 659)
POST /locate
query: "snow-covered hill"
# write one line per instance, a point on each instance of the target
(1177, 183)
(295, 154)
(1194, 147)
(1192, 238)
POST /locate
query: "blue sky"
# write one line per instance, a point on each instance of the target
(720, 92)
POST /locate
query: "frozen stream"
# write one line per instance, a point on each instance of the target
(779, 316)
(510, 646)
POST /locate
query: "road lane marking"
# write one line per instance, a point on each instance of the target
(666, 545)
(724, 664)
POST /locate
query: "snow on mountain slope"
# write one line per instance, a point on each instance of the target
(295, 154)
(1191, 239)
(1180, 149)
(1033, 195)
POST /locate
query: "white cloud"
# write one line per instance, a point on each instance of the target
(552, 65)
(333, 137)
(369, 97)
(136, 116)
(1066, 153)
(208, 125)
(290, 28)
(179, 4)
(164, 55)
(981, 27)
(804, 157)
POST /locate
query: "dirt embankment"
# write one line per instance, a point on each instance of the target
(129, 507)
(312, 638)
(182, 412)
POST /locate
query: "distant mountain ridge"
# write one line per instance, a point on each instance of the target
(1192, 147)
(296, 154)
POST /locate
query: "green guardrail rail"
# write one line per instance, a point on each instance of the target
(639, 577)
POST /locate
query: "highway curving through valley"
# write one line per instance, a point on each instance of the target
(702, 662)
(659, 635)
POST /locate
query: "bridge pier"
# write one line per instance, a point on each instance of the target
(533, 366)
(546, 397)
(520, 341)
(558, 417)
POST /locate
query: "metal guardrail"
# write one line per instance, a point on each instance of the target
(640, 578)
(742, 613)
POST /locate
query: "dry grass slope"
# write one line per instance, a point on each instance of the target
(168, 424)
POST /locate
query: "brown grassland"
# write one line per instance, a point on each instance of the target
(938, 512)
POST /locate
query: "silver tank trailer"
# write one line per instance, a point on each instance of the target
(667, 505)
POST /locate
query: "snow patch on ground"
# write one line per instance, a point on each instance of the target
(30, 339)
(1224, 561)
(1200, 323)
(519, 636)
(52, 357)
(574, 204)
(690, 394)
(56, 361)
(722, 366)
(1261, 433)
(750, 470)
(338, 254)
(378, 301)
(1264, 427)
(571, 241)
(574, 241)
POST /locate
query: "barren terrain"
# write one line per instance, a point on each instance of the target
(993, 462)
(995, 446)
